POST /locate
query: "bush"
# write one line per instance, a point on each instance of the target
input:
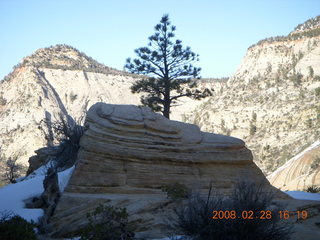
(67, 132)
(311, 71)
(296, 79)
(313, 189)
(16, 228)
(12, 170)
(316, 78)
(73, 97)
(315, 163)
(175, 191)
(309, 123)
(317, 92)
(253, 128)
(195, 219)
(3, 101)
(107, 223)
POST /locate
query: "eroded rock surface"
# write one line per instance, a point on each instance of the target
(301, 172)
(127, 153)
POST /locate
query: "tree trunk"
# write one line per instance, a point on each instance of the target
(166, 109)
(166, 103)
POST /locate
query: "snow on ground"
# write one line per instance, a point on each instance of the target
(304, 195)
(64, 178)
(12, 196)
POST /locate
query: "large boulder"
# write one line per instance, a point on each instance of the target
(127, 153)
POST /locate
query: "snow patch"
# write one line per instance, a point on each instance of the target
(64, 177)
(304, 195)
(12, 196)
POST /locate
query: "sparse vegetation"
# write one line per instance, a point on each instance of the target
(108, 223)
(3, 101)
(46, 58)
(72, 97)
(315, 163)
(197, 219)
(254, 116)
(311, 72)
(309, 123)
(269, 68)
(306, 30)
(253, 129)
(317, 92)
(317, 112)
(176, 191)
(66, 132)
(316, 78)
(11, 170)
(296, 79)
(313, 189)
(16, 228)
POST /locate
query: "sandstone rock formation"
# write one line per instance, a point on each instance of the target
(127, 153)
(272, 93)
(299, 173)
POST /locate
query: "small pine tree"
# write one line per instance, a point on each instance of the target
(311, 72)
(168, 67)
(253, 129)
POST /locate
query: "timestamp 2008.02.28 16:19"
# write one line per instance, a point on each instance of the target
(263, 214)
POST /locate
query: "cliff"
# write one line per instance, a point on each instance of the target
(272, 100)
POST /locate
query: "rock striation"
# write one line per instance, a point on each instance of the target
(300, 172)
(127, 153)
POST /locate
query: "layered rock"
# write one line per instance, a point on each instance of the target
(300, 172)
(127, 153)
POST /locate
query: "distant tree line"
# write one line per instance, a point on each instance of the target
(311, 23)
(290, 37)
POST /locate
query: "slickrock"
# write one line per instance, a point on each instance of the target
(128, 152)
(301, 172)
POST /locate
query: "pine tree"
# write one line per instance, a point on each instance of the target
(168, 68)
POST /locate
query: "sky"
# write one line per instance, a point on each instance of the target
(220, 31)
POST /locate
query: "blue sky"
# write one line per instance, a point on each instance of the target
(109, 31)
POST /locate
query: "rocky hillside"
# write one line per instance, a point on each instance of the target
(58, 80)
(48, 83)
(272, 101)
